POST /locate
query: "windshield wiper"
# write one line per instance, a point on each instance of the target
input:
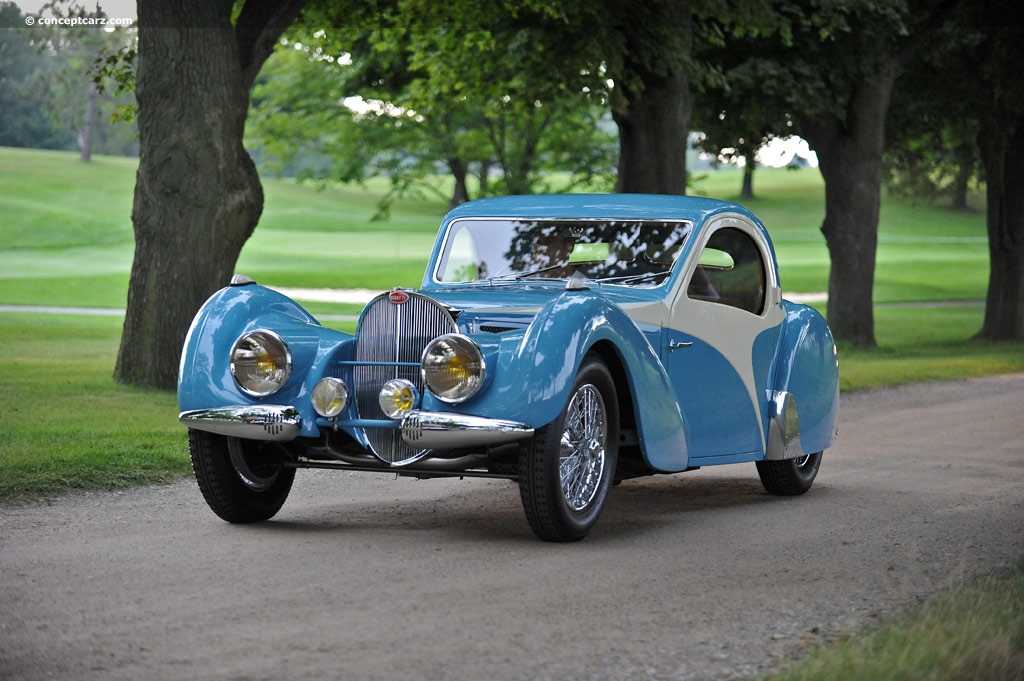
(633, 278)
(516, 276)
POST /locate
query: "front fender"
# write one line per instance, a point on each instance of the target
(552, 350)
(204, 375)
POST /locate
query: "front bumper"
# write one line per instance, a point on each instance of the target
(421, 429)
(271, 422)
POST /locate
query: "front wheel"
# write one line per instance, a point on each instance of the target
(567, 467)
(243, 481)
(789, 477)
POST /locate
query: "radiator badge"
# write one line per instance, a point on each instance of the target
(398, 297)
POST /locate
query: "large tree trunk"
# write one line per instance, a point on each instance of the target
(651, 101)
(850, 158)
(197, 194)
(653, 130)
(1002, 152)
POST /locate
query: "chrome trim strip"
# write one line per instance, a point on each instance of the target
(272, 422)
(441, 430)
(784, 429)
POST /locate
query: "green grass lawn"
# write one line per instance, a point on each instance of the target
(67, 240)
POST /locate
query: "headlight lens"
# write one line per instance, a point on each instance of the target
(330, 395)
(453, 368)
(260, 363)
(398, 397)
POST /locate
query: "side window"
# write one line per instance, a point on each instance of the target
(730, 272)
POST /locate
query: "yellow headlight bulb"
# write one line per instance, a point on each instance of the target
(398, 397)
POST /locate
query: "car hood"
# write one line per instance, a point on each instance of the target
(505, 306)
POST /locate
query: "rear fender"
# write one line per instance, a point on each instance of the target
(804, 404)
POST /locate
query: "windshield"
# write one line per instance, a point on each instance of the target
(631, 252)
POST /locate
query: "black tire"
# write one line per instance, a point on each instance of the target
(790, 477)
(562, 501)
(243, 481)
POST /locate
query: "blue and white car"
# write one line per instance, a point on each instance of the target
(565, 342)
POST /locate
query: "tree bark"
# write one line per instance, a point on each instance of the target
(460, 194)
(654, 127)
(197, 194)
(1002, 152)
(651, 101)
(747, 190)
(849, 153)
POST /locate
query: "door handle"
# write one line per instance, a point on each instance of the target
(673, 346)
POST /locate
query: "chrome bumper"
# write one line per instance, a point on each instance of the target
(251, 421)
(440, 430)
(422, 429)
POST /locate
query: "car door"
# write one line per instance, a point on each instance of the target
(720, 341)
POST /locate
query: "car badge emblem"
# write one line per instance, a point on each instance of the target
(398, 297)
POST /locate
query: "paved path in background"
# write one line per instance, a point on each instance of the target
(363, 296)
(366, 577)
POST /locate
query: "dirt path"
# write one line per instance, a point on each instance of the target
(693, 576)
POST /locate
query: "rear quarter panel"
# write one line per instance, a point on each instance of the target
(808, 368)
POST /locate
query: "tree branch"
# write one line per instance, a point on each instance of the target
(258, 29)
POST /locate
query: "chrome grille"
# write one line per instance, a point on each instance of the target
(389, 335)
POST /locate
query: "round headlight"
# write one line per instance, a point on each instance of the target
(398, 397)
(330, 395)
(260, 363)
(453, 368)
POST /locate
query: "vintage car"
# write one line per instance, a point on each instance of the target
(565, 342)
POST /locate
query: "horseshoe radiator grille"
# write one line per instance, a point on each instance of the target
(393, 331)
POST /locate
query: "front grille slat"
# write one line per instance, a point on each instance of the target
(389, 333)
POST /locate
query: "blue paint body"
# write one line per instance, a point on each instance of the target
(692, 407)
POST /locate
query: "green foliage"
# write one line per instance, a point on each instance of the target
(24, 122)
(431, 90)
(53, 80)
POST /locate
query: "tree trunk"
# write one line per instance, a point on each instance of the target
(850, 158)
(85, 135)
(197, 194)
(654, 126)
(458, 169)
(747, 190)
(485, 177)
(961, 183)
(1002, 152)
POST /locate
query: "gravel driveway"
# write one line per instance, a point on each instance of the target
(691, 576)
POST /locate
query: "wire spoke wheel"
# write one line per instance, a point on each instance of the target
(583, 445)
(567, 467)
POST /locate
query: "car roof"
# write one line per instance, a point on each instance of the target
(593, 206)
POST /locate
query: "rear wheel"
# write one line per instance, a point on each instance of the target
(243, 481)
(566, 469)
(789, 477)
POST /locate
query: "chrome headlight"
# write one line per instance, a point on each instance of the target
(260, 363)
(330, 396)
(453, 368)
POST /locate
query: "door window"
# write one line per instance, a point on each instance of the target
(730, 271)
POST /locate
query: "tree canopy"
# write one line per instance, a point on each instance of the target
(504, 83)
